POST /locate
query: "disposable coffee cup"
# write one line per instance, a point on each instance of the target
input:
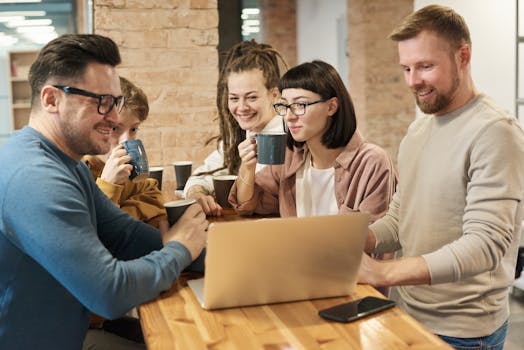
(175, 209)
(271, 148)
(182, 173)
(135, 149)
(156, 173)
(222, 185)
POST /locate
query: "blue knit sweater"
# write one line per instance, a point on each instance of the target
(66, 249)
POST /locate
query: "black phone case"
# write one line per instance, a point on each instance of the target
(348, 312)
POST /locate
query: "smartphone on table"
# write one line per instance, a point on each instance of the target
(354, 310)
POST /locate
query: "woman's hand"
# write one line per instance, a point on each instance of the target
(247, 150)
(206, 201)
(209, 205)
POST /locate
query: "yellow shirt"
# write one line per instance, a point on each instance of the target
(142, 200)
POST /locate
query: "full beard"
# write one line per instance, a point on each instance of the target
(83, 144)
(441, 101)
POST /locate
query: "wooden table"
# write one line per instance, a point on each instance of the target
(175, 320)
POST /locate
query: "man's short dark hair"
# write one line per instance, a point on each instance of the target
(64, 59)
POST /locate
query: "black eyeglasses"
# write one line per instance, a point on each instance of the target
(297, 108)
(105, 102)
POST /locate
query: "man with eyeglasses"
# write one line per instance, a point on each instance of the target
(65, 249)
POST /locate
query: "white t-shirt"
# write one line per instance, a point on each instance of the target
(315, 190)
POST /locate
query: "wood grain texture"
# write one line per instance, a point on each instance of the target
(175, 321)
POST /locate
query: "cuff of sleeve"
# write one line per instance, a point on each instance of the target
(246, 208)
(199, 181)
(442, 266)
(383, 241)
(183, 256)
(113, 191)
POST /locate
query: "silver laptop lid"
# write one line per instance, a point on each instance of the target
(285, 259)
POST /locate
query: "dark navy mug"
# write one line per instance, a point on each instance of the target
(271, 148)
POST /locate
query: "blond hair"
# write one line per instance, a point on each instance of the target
(443, 21)
(135, 99)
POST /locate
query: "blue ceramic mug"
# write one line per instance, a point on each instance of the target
(135, 149)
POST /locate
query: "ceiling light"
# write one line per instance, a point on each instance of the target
(17, 1)
(7, 40)
(11, 18)
(29, 22)
(251, 11)
(41, 29)
(22, 13)
(41, 38)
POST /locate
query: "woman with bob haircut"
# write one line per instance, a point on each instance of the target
(329, 168)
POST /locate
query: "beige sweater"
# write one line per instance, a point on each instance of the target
(459, 205)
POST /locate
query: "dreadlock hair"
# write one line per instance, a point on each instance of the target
(244, 56)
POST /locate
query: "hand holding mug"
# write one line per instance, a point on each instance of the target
(247, 150)
(117, 168)
(189, 230)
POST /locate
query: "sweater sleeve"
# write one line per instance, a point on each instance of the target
(386, 228)
(265, 197)
(106, 259)
(144, 201)
(213, 162)
(111, 190)
(494, 193)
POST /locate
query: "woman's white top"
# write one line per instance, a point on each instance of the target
(315, 191)
(216, 160)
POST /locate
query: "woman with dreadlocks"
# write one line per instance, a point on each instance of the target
(246, 90)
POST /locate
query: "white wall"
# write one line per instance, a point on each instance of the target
(491, 23)
(492, 27)
(322, 33)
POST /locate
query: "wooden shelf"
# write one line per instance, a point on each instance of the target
(19, 89)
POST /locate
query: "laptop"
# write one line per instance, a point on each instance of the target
(265, 261)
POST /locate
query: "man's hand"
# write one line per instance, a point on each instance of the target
(369, 271)
(189, 230)
(394, 272)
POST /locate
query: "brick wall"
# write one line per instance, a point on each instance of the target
(168, 48)
(279, 27)
(383, 103)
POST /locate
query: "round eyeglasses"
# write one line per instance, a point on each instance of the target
(297, 108)
(106, 102)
